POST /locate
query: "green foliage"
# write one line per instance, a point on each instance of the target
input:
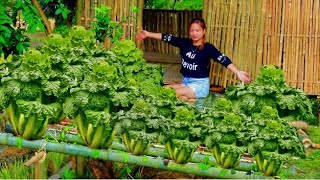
(12, 39)
(270, 90)
(314, 133)
(68, 174)
(304, 168)
(139, 126)
(55, 161)
(178, 133)
(271, 140)
(62, 11)
(104, 27)
(223, 132)
(174, 4)
(16, 170)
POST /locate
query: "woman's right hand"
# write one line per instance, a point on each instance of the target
(142, 35)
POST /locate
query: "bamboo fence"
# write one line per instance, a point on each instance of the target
(235, 27)
(292, 41)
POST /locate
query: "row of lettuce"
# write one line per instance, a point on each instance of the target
(116, 93)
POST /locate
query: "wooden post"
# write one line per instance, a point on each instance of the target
(80, 166)
(74, 163)
(79, 12)
(139, 21)
(40, 171)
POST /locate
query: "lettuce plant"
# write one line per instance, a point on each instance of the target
(223, 133)
(178, 132)
(270, 89)
(271, 140)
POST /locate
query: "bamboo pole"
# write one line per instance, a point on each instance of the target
(297, 44)
(74, 163)
(140, 22)
(154, 150)
(86, 4)
(247, 35)
(219, 24)
(80, 166)
(278, 33)
(266, 49)
(272, 27)
(260, 36)
(308, 58)
(282, 23)
(293, 41)
(79, 12)
(153, 162)
(307, 80)
(223, 39)
(311, 49)
(301, 47)
(237, 13)
(231, 40)
(317, 50)
(289, 52)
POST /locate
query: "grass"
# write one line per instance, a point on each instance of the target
(314, 134)
(309, 167)
(16, 170)
(56, 161)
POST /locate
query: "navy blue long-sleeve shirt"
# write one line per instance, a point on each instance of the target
(195, 61)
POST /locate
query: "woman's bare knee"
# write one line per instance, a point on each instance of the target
(186, 92)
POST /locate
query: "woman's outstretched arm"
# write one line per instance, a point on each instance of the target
(146, 34)
(242, 75)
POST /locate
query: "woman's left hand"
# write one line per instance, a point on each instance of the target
(243, 76)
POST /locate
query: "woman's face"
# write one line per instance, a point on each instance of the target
(196, 32)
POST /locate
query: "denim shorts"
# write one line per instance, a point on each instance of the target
(200, 86)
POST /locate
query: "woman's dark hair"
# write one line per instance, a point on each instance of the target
(202, 24)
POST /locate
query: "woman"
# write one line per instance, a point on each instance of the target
(196, 54)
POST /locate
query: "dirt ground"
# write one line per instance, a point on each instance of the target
(111, 170)
(9, 154)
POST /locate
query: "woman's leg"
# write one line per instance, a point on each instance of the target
(185, 93)
(174, 86)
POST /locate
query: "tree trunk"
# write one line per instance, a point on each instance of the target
(43, 16)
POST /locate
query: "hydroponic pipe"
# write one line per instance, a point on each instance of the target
(120, 156)
(152, 151)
